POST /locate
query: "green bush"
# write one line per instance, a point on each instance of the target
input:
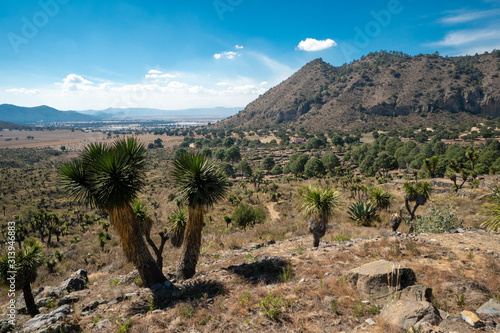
(245, 215)
(436, 221)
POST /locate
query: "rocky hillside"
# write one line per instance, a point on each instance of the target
(440, 283)
(386, 89)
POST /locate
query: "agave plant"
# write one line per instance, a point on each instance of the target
(493, 223)
(362, 212)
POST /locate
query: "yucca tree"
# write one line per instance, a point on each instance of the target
(109, 177)
(27, 261)
(200, 184)
(318, 207)
(418, 193)
(380, 198)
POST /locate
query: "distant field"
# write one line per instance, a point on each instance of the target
(73, 141)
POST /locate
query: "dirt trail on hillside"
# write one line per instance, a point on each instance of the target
(275, 216)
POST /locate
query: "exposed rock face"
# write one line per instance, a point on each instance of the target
(57, 321)
(407, 313)
(381, 279)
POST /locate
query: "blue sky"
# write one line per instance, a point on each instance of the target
(77, 55)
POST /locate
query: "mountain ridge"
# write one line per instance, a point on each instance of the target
(379, 87)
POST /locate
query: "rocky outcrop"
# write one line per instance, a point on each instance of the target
(381, 280)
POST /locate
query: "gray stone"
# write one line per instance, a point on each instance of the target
(73, 284)
(443, 314)
(408, 313)
(103, 324)
(456, 324)
(68, 299)
(416, 292)
(380, 279)
(490, 308)
(43, 302)
(91, 306)
(82, 274)
(370, 322)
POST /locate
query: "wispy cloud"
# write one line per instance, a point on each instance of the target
(22, 91)
(461, 16)
(464, 37)
(311, 44)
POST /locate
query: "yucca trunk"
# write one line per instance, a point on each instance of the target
(29, 300)
(132, 241)
(317, 227)
(186, 267)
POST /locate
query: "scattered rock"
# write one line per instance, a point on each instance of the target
(370, 322)
(443, 314)
(81, 273)
(456, 324)
(103, 324)
(68, 299)
(374, 279)
(43, 302)
(73, 284)
(408, 313)
(44, 320)
(471, 318)
(490, 308)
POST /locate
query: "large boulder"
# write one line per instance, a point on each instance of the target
(381, 280)
(47, 319)
(407, 313)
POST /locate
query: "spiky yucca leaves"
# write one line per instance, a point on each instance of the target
(109, 177)
(363, 213)
(380, 198)
(27, 261)
(200, 184)
(176, 225)
(318, 206)
(493, 223)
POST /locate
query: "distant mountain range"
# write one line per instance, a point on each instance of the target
(46, 114)
(382, 90)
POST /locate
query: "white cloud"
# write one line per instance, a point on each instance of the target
(264, 83)
(155, 71)
(228, 55)
(22, 91)
(159, 77)
(238, 47)
(311, 44)
(222, 84)
(458, 17)
(73, 82)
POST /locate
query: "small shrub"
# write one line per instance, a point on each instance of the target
(187, 311)
(245, 215)
(341, 238)
(285, 276)
(273, 306)
(436, 221)
(125, 327)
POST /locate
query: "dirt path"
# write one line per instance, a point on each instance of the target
(275, 216)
